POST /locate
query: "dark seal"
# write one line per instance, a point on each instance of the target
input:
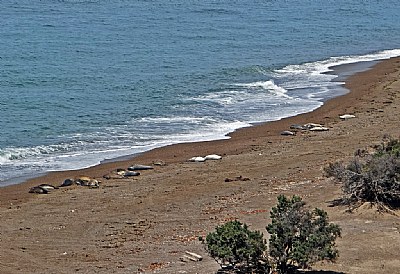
(38, 190)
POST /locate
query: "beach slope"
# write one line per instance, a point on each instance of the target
(146, 223)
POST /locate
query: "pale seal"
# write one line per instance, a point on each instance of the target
(82, 180)
(319, 129)
(213, 157)
(197, 159)
(346, 116)
(311, 125)
(93, 183)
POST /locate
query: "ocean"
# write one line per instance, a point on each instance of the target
(87, 81)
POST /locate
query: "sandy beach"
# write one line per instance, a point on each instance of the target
(146, 223)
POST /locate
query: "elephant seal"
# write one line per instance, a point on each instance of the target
(139, 167)
(38, 190)
(121, 172)
(197, 159)
(213, 157)
(131, 174)
(319, 129)
(346, 116)
(68, 182)
(93, 183)
(312, 125)
(48, 187)
(82, 180)
(298, 127)
(287, 133)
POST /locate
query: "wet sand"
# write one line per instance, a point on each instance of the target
(146, 223)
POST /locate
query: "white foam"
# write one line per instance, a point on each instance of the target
(173, 119)
(224, 98)
(245, 94)
(268, 86)
(323, 66)
(268, 100)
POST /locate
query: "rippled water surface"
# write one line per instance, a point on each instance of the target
(84, 81)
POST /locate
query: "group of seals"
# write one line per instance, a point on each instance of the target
(80, 181)
(42, 189)
(205, 158)
(312, 126)
(308, 126)
(131, 171)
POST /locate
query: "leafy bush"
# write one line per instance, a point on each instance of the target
(371, 177)
(299, 237)
(233, 244)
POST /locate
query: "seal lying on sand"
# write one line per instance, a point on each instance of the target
(312, 125)
(213, 157)
(319, 129)
(347, 116)
(131, 174)
(93, 183)
(203, 159)
(287, 133)
(48, 187)
(81, 181)
(298, 127)
(197, 159)
(139, 167)
(38, 190)
(67, 182)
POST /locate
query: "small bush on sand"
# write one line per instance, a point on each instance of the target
(234, 246)
(373, 177)
(299, 237)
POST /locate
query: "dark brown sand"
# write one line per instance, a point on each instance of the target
(145, 224)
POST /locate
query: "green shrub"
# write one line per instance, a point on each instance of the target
(392, 147)
(299, 237)
(233, 244)
(371, 178)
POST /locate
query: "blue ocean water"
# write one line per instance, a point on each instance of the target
(84, 81)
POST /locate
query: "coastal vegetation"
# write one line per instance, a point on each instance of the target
(298, 238)
(236, 247)
(372, 177)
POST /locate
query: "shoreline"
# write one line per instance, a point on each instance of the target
(145, 224)
(343, 72)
